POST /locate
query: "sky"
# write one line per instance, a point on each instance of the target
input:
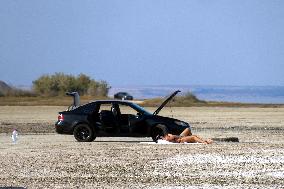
(144, 42)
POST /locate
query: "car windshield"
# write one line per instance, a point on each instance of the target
(140, 109)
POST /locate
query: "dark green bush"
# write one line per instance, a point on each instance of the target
(60, 83)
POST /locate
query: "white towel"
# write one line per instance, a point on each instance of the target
(161, 141)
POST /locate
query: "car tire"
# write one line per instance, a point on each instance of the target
(158, 131)
(84, 133)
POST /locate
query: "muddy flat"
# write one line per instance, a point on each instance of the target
(44, 159)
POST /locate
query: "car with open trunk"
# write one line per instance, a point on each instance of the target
(115, 118)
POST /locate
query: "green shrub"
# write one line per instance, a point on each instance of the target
(60, 83)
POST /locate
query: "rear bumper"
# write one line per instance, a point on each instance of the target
(62, 127)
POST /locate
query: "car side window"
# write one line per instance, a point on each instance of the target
(105, 107)
(127, 110)
(109, 108)
(86, 109)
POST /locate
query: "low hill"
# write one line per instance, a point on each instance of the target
(4, 88)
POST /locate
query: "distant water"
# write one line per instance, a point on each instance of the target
(245, 94)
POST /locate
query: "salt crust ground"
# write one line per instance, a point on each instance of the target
(56, 161)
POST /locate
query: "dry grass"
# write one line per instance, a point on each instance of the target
(66, 101)
(43, 101)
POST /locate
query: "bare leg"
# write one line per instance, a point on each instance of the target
(186, 132)
(194, 139)
(209, 141)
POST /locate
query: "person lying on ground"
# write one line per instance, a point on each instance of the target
(186, 136)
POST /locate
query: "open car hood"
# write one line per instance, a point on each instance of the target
(165, 102)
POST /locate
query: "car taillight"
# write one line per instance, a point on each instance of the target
(60, 117)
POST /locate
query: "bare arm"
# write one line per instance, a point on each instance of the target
(171, 138)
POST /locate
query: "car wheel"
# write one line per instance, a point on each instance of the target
(158, 131)
(84, 133)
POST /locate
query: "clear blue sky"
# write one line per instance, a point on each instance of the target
(144, 42)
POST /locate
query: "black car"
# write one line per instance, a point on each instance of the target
(123, 96)
(115, 118)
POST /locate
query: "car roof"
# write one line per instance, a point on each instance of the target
(125, 102)
(111, 101)
(122, 93)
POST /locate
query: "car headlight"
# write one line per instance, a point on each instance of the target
(181, 123)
